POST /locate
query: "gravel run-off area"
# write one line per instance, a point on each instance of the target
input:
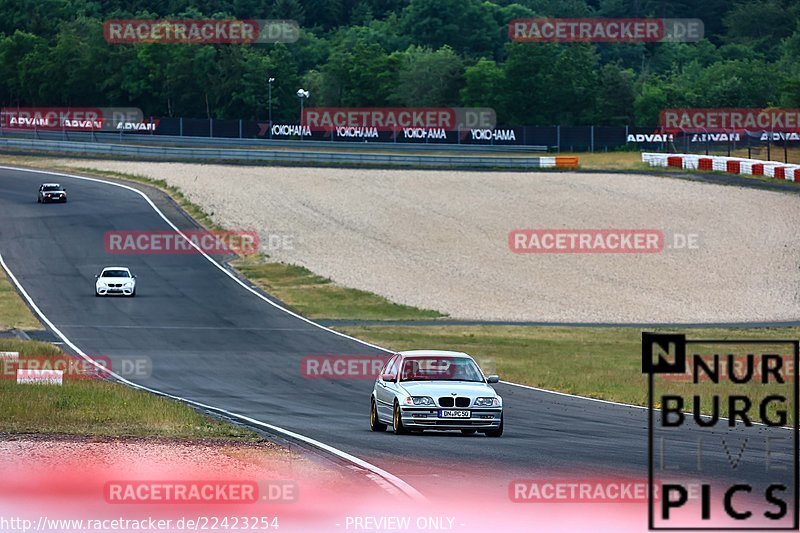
(439, 239)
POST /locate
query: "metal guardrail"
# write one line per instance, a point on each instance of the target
(269, 156)
(171, 140)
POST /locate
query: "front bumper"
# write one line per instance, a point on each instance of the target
(105, 291)
(49, 199)
(428, 418)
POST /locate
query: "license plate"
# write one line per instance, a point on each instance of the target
(453, 414)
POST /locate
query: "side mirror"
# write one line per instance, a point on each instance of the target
(493, 379)
(387, 377)
(134, 277)
(96, 276)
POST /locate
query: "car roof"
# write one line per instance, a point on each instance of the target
(51, 185)
(435, 353)
(116, 268)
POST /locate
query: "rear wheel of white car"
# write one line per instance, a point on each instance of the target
(397, 421)
(495, 432)
(374, 422)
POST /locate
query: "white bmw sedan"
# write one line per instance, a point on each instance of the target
(115, 280)
(435, 390)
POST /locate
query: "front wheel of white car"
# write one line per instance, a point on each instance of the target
(375, 423)
(397, 421)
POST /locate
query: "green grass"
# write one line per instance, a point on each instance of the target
(603, 363)
(319, 298)
(98, 408)
(14, 314)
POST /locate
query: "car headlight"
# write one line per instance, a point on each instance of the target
(487, 402)
(419, 400)
(128, 284)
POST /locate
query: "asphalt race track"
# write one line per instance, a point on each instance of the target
(212, 341)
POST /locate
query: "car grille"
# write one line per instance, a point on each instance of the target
(449, 401)
(115, 284)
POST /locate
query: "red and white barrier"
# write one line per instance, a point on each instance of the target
(28, 376)
(558, 161)
(734, 165)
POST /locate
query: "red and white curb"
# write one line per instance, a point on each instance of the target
(733, 165)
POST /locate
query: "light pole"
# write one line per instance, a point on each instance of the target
(269, 81)
(302, 94)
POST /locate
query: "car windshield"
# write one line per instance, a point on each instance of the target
(51, 188)
(440, 369)
(115, 274)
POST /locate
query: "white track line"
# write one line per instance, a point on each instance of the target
(391, 479)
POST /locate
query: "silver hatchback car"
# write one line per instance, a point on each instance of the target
(435, 390)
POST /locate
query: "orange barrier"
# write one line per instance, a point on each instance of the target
(566, 162)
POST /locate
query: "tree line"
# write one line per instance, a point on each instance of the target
(421, 53)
